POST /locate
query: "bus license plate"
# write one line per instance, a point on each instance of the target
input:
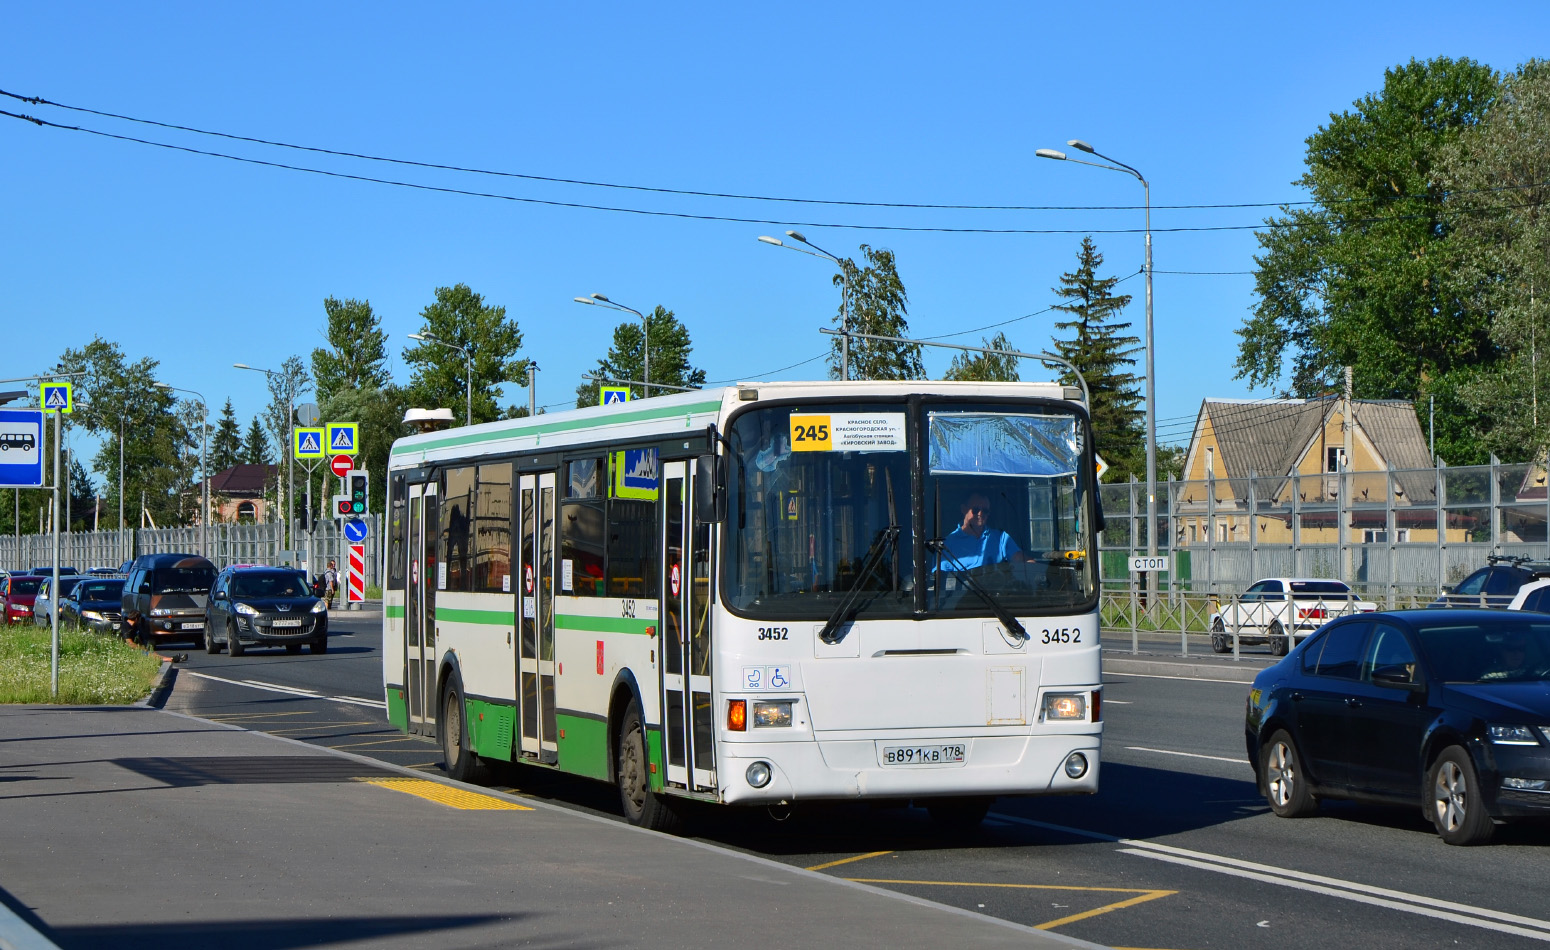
(947, 754)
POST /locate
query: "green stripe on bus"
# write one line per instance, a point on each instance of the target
(583, 746)
(543, 428)
(603, 624)
(394, 610)
(462, 615)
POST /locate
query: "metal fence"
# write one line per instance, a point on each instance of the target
(229, 544)
(1395, 535)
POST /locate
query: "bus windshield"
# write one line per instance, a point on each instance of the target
(821, 506)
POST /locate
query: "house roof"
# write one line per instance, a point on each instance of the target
(243, 480)
(1269, 437)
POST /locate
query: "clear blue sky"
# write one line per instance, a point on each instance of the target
(200, 262)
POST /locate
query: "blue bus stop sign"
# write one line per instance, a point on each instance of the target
(355, 530)
(21, 448)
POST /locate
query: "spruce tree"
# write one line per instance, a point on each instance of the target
(255, 448)
(1100, 349)
(226, 445)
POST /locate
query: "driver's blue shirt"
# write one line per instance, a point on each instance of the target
(991, 547)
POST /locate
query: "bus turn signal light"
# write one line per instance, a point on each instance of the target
(737, 715)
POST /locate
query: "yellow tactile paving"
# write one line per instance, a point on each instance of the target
(446, 794)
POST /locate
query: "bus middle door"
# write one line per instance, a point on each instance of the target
(687, 716)
(535, 656)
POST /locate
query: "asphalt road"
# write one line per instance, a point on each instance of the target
(1178, 851)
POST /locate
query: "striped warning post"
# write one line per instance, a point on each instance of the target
(357, 574)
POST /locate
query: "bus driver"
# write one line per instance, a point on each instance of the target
(974, 543)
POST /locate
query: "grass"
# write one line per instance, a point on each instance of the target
(95, 669)
(373, 592)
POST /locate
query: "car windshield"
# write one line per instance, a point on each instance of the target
(184, 580)
(1307, 589)
(267, 584)
(25, 585)
(1508, 650)
(100, 590)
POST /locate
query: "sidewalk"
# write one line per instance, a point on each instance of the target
(132, 827)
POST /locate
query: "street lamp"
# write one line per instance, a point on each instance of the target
(598, 300)
(1151, 380)
(290, 450)
(844, 288)
(468, 364)
(204, 471)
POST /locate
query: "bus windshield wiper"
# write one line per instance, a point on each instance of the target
(1010, 622)
(832, 631)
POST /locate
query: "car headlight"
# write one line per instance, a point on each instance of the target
(319, 607)
(771, 714)
(245, 610)
(1511, 735)
(160, 611)
(1064, 707)
(91, 615)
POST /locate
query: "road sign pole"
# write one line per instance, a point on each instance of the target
(53, 591)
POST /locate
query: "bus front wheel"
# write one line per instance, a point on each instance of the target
(641, 805)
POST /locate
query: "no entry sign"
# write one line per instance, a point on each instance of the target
(340, 465)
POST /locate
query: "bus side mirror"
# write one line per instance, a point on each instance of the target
(710, 495)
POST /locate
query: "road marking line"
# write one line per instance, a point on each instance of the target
(372, 742)
(291, 690)
(1192, 679)
(1142, 894)
(859, 857)
(1192, 755)
(1119, 702)
(250, 717)
(353, 701)
(1336, 887)
(446, 794)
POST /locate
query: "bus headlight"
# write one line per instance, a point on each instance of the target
(1060, 707)
(772, 714)
(759, 774)
(1076, 765)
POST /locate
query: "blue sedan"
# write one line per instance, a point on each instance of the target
(1448, 709)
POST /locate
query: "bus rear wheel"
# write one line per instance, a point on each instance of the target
(641, 805)
(462, 763)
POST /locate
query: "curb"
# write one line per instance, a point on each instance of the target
(159, 689)
(1215, 672)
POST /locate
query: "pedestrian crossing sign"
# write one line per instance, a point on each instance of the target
(343, 438)
(56, 397)
(613, 394)
(308, 443)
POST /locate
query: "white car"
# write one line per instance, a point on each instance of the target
(1282, 610)
(1534, 596)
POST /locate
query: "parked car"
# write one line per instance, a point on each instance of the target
(262, 606)
(97, 603)
(43, 602)
(106, 572)
(164, 598)
(1279, 610)
(17, 592)
(49, 571)
(1446, 709)
(1494, 585)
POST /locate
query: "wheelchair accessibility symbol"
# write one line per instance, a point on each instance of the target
(778, 679)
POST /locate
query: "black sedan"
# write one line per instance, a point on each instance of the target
(95, 603)
(1448, 709)
(260, 606)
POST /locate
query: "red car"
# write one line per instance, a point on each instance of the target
(17, 592)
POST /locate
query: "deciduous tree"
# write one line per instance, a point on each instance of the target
(439, 380)
(877, 304)
(670, 349)
(356, 355)
(985, 367)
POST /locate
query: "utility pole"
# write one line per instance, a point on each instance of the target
(1347, 426)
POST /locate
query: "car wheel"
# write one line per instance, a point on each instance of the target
(233, 645)
(1457, 809)
(461, 762)
(210, 645)
(319, 646)
(1219, 641)
(1280, 643)
(958, 814)
(641, 805)
(1283, 780)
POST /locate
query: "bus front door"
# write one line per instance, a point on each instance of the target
(687, 716)
(420, 609)
(535, 658)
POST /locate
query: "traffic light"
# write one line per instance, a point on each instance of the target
(342, 508)
(358, 493)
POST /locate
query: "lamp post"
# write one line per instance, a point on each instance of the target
(468, 365)
(204, 471)
(844, 288)
(598, 300)
(532, 388)
(290, 451)
(1151, 380)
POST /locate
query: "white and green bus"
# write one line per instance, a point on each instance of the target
(760, 595)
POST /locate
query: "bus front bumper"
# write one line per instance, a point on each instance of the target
(851, 769)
